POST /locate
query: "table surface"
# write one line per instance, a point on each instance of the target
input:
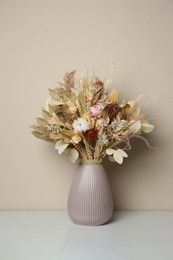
(50, 235)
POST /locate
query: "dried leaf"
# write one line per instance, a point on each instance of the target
(73, 97)
(122, 153)
(54, 94)
(82, 101)
(72, 154)
(41, 121)
(134, 110)
(147, 127)
(117, 157)
(111, 158)
(46, 115)
(60, 146)
(136, 127)
(55, 136)
(51, 109)
(110, 151)
(57, 102)
(41, 136)
(68, 133)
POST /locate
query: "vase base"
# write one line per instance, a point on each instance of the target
(91, 223)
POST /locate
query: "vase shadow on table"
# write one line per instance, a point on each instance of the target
(117, 216)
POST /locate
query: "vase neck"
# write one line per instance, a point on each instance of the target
(93, 161)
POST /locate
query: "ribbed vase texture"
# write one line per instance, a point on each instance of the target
(90, 199)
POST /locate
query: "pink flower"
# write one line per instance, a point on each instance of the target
(95, 110)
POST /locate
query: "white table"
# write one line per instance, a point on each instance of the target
(50, 235)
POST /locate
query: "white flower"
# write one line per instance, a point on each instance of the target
(118, 155)
(80, 125)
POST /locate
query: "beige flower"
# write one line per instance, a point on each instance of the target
(76, 138)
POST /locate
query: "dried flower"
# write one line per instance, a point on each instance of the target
(103, 140)
(76, 139)
(96, 110)
(91, 135)
(113, 97)
(101, 122)
(113, 111)
(80, 125)
(84, 120)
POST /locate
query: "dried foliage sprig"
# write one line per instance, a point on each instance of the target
(88, 122)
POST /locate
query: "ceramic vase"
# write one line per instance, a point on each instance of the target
(90, 200)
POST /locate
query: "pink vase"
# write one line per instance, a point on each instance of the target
(90, 200)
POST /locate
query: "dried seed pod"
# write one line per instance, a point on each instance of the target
(91, 135)
(113, 111)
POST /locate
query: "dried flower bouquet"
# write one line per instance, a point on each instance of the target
(87, 121)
